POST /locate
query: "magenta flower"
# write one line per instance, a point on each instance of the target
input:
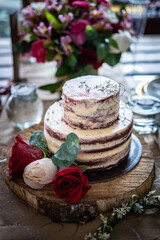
(105, 3)
(77, 31)
(53, 5)
(65, 40)
(125, 24)
(81, 4)
(38, 51)
(42, 30)
(58, 59)
(67, 49)
(65, 44)
(65, 19)
(28, 12)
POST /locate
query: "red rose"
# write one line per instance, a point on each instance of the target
(81, 4)
(38, 51)
(116, 27)
(89, 57)
(22, 155)
(77, 29)
(71, 184)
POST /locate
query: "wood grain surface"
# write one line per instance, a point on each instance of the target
(102, 197)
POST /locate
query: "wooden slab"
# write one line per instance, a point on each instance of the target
(102, 197)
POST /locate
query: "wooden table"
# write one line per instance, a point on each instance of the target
(18, 220)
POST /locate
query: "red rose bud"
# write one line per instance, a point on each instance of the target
(22, 155)
(89, 57)
(70, 184)
(38, 51)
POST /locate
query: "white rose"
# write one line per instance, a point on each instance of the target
(123, 39)
(39, 173)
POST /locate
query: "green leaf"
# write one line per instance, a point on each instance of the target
(92, 35)
(108, 33)
(72, 144)
(22, 47)
(113, 43)
(62, 70)
(49, 55)
(112, 59)
(102, 50)
(71, 61)
(67, 152)
(83, 167)
(88, 70)
(53, 87)
(56, 24)
(38, 139)
(49, 45)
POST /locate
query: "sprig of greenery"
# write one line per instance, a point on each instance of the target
(67, 152)
(38, 139)
(138, 205)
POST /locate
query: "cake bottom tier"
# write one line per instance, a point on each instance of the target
(100, 148)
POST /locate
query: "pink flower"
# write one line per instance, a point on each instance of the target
(77, 31)
(105, 3)
(39, 51)
(66, 18)
(81, 4)
(65, 40)
(65, 44)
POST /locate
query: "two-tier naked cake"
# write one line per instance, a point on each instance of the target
(91, 108)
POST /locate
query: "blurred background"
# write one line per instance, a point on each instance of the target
(9, 6)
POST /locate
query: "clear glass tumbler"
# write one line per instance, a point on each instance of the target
(146, 113)
(24, 108)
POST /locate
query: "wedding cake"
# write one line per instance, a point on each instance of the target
(91, 108)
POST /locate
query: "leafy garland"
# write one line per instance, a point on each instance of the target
(138, 205)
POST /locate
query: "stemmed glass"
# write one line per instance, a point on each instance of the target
(138, 12)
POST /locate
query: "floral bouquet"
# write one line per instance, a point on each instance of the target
(39, 167)
(79, 35)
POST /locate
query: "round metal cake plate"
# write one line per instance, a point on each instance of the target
(123, 167)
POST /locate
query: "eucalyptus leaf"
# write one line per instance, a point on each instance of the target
(53, 87)
(67, 152)
(72, 144)
(38, 139)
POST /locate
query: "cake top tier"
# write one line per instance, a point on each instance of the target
(90, 87)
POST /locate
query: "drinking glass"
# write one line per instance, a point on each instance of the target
(24, 107)
(146, 113)
(138, 12)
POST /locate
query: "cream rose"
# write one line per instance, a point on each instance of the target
(123, 39)
(39, 173)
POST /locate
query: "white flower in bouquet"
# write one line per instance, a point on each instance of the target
(39, 173)
(123, 39)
